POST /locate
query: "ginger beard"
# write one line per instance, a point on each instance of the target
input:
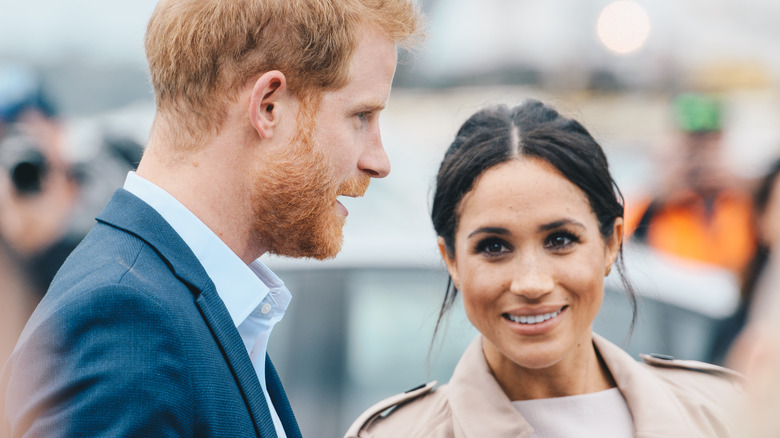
(295, 195)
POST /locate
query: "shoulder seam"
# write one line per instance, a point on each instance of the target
(375, 411)
(692, 365)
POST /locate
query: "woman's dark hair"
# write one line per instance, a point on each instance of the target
(499, 134)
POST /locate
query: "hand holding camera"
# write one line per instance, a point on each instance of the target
(37, 192)
(22, 158)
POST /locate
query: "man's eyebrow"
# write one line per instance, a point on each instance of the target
(559, 223)
(490, 230)
(368, 107)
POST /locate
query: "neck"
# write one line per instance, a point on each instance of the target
(581, 372)
(212, 183)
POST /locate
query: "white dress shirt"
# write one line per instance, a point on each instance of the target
(255, 297)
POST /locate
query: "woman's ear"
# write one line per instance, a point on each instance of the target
(613, 244)
(449, 261)
(267, 93)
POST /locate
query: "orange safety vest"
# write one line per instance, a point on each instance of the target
(724, 236)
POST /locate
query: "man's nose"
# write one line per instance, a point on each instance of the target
(374, 160)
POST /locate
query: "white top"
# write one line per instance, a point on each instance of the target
(255, 297)
(601, 414)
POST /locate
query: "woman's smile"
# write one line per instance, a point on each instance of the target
(532, 317)
(535, 324)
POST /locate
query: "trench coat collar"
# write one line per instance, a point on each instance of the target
(474, 395)
(649, 398)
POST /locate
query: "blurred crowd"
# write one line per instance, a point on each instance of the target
(701, 210)
(698, 208)
(47, 198)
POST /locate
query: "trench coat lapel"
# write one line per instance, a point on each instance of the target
(128, 212)
(648, 397)
(474, 395)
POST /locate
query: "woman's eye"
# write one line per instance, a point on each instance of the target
(492, 247)
(560, 241)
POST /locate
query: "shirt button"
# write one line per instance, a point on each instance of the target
(265, 309)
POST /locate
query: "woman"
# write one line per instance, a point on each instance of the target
(756, 350)
(766, 217)
(529, 223)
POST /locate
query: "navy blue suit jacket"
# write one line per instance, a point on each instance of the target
(133, 340)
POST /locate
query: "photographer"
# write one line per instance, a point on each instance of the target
(38, 190)
(47, 202)
(38, 198)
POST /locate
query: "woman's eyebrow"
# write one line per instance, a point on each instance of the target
(544, 227)
(490, 230)
(559, 223)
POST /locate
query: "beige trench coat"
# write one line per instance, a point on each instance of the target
(667, 398)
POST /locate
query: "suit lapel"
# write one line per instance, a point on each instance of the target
(127, 212)
(279, 398)
(217, 317)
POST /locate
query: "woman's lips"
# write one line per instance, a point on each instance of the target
(534, 320)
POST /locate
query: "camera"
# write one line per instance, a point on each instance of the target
(22, 158)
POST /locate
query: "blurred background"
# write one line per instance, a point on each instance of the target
(684, 95)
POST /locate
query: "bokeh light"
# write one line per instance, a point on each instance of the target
(623, 26)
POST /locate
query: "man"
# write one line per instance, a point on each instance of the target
(157, 324)
(701, 210)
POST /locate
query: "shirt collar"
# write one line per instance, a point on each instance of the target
(241, 287)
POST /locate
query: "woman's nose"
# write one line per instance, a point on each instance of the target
(531, 279)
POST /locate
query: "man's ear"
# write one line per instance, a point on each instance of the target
(450, 262)
(264, 104)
